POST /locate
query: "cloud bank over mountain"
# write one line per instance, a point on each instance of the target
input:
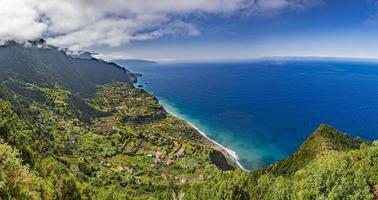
(79, 24)
(20, 20)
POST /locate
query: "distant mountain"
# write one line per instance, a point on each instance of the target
(316, 58)
(75, 127)
(47, 64)
(134, 62)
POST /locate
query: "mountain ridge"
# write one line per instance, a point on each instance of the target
(324, 140)
(74, 128)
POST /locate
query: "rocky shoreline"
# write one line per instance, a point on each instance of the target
(221, 156)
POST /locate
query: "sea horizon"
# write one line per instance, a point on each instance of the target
(247, 119)
(256, 59)
(189, 99)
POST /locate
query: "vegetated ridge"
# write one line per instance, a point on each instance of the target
(77, 128)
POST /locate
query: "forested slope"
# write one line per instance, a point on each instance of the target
(75, 128)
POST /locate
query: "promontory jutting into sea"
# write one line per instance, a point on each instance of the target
(188, 100)
(263, 110)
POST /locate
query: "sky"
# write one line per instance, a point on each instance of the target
(196, 30)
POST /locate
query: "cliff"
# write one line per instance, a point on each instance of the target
(77, 128)
(80, 123)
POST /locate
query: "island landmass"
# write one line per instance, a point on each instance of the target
(78, 128)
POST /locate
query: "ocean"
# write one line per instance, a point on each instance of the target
(264, 110)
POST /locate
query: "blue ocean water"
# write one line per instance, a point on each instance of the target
(264, 110)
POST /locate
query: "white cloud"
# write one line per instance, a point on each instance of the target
(273, 7)
(373, 19)
(19, 20)
(272, 4)
(79, 24)
(114, 56)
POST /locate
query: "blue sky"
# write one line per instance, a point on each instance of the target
(335, 28)
(186, 30)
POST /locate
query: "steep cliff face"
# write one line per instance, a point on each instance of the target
(84, 130)
(48, 65)
(76, 128)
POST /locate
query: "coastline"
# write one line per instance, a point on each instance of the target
(228, 153)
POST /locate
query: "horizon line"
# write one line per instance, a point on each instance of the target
(309, 58)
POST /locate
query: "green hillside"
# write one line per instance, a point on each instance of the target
(75, 128)
(325, 140)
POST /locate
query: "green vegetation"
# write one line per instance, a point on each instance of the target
(325, 140)
(126, 146)
(82, 137)
(332, 174)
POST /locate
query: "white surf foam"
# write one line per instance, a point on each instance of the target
(229, 151)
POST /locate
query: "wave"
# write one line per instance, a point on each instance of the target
(171, 110)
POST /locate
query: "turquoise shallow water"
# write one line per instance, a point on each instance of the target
(264, 110)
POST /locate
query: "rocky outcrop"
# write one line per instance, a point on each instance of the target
(219, 159)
